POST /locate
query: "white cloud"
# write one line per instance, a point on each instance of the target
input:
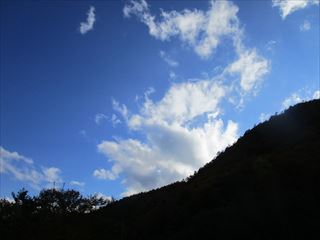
(52, 174)
(172, 152)
(182, 133)
(203, 31)
(264, 117)
(9, 199)
(287, 7)
(306, 26)
(5, 154)
(270, 45)
(122, 109)
(103, 196)
(135, 8)
(105, 174)
(291, 100)
(299, 96)
(23, 169)
(168, 59)
(316, 94)
(184, 101)
(146, 94)
(88, 25)
(183, 130)
(77, 183)
(200, 30)
(99, 118)
(115, 120)
(251, 67)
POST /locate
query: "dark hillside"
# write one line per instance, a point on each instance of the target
(265, 186)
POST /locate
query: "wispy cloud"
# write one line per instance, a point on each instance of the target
(103, 196)
(306, 26)
(14, 156)
(115, 120)
(271, 45)
(106, 174)
(120, 108)
(299, 96)
(99, 118)
(203, 31)
(83, 133)
(23, 169)
(287, 7)
(77, 183)
(264, 117)
(316, 95)
(88, 25)
(200, 30)
(168, 59)
(52, 174)
(251, 67)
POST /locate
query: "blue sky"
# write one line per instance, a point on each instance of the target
(118, 97)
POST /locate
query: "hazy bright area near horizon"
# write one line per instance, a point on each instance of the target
(119, 97)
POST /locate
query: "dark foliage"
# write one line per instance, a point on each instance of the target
(266, 186)
(30, 216)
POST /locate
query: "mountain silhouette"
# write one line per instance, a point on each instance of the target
(265, 186)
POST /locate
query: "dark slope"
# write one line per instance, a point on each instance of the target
(265, 186)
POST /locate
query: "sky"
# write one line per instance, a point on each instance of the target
(120, 97)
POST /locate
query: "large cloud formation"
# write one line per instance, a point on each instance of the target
(183, 130)
(176, 142)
